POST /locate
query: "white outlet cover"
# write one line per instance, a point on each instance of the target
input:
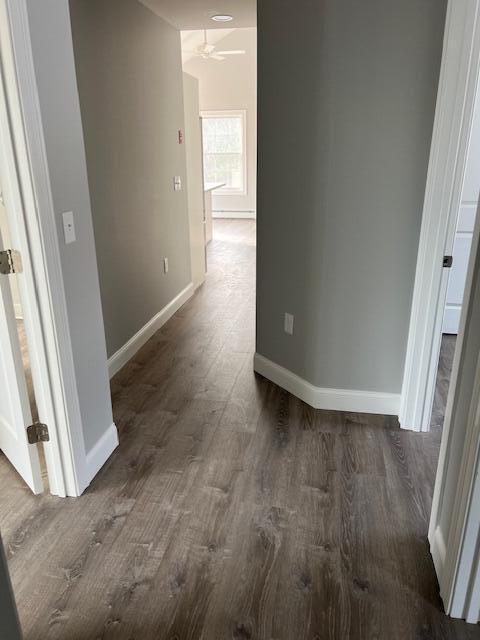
(68, 227)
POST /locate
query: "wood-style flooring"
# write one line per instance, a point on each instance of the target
(232, 510)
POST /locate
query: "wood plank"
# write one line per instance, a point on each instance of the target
(231, 509)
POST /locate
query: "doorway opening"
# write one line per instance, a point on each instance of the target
(19, 414)
(18, 311)
(220, 103)
(458, 264)
(19, 409)
(457, 270)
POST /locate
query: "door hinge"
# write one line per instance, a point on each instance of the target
(37, 432)
(447, 261)
(10, 262)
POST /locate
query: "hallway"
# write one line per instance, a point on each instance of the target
(231, 510)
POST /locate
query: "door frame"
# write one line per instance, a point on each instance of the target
(457, 90)
(33, 229)
(455, 517)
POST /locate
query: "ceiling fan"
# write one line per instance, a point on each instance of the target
(208, 51)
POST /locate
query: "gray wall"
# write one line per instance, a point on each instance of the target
(129, 74)
(9, 625)
(346, 107)
(51, 37)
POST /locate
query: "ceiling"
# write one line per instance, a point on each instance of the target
(196, 14)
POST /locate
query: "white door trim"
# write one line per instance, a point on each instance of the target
(45, 304)
(450, 141)
(462, 564)
(455, 525)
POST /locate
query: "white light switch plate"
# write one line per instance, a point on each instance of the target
(177, 183)
(288, 324)
(69, 227)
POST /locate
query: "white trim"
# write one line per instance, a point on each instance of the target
(232, 215)
(450, 142)
(438, 549)
(101, 451)
(324, 398)
(130, 348)
(471, 610)
(456, 579)
(457, 471)
(231, 113)
(451, 319)
(47, 329)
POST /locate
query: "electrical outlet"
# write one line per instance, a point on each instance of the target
(165, 265)
(68, 227)
(288, 324)
(177, 183)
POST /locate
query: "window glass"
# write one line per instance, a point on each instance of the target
(223, 151)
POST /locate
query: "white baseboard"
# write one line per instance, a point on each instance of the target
(451, 319)
(324, 398)
(438, 551)
(247, 215)
(100, 453)
(130, 348)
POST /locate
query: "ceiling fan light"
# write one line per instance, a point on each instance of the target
(222, 17)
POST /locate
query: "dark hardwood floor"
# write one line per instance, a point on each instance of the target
(232, 510)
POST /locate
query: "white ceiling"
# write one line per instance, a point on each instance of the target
(196, 14)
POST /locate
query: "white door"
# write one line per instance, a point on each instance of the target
(458, 273)
(15, 414)
(464, 231)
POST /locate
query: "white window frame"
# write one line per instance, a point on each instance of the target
(232, 113)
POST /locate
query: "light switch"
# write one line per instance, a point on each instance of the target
(68, 227)
(288, 324)
(177, 183)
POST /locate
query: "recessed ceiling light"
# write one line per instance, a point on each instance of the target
(222, 18)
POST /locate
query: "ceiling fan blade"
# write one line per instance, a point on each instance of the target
(232, 52)
(215, 56)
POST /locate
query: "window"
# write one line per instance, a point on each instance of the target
(224, 150)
